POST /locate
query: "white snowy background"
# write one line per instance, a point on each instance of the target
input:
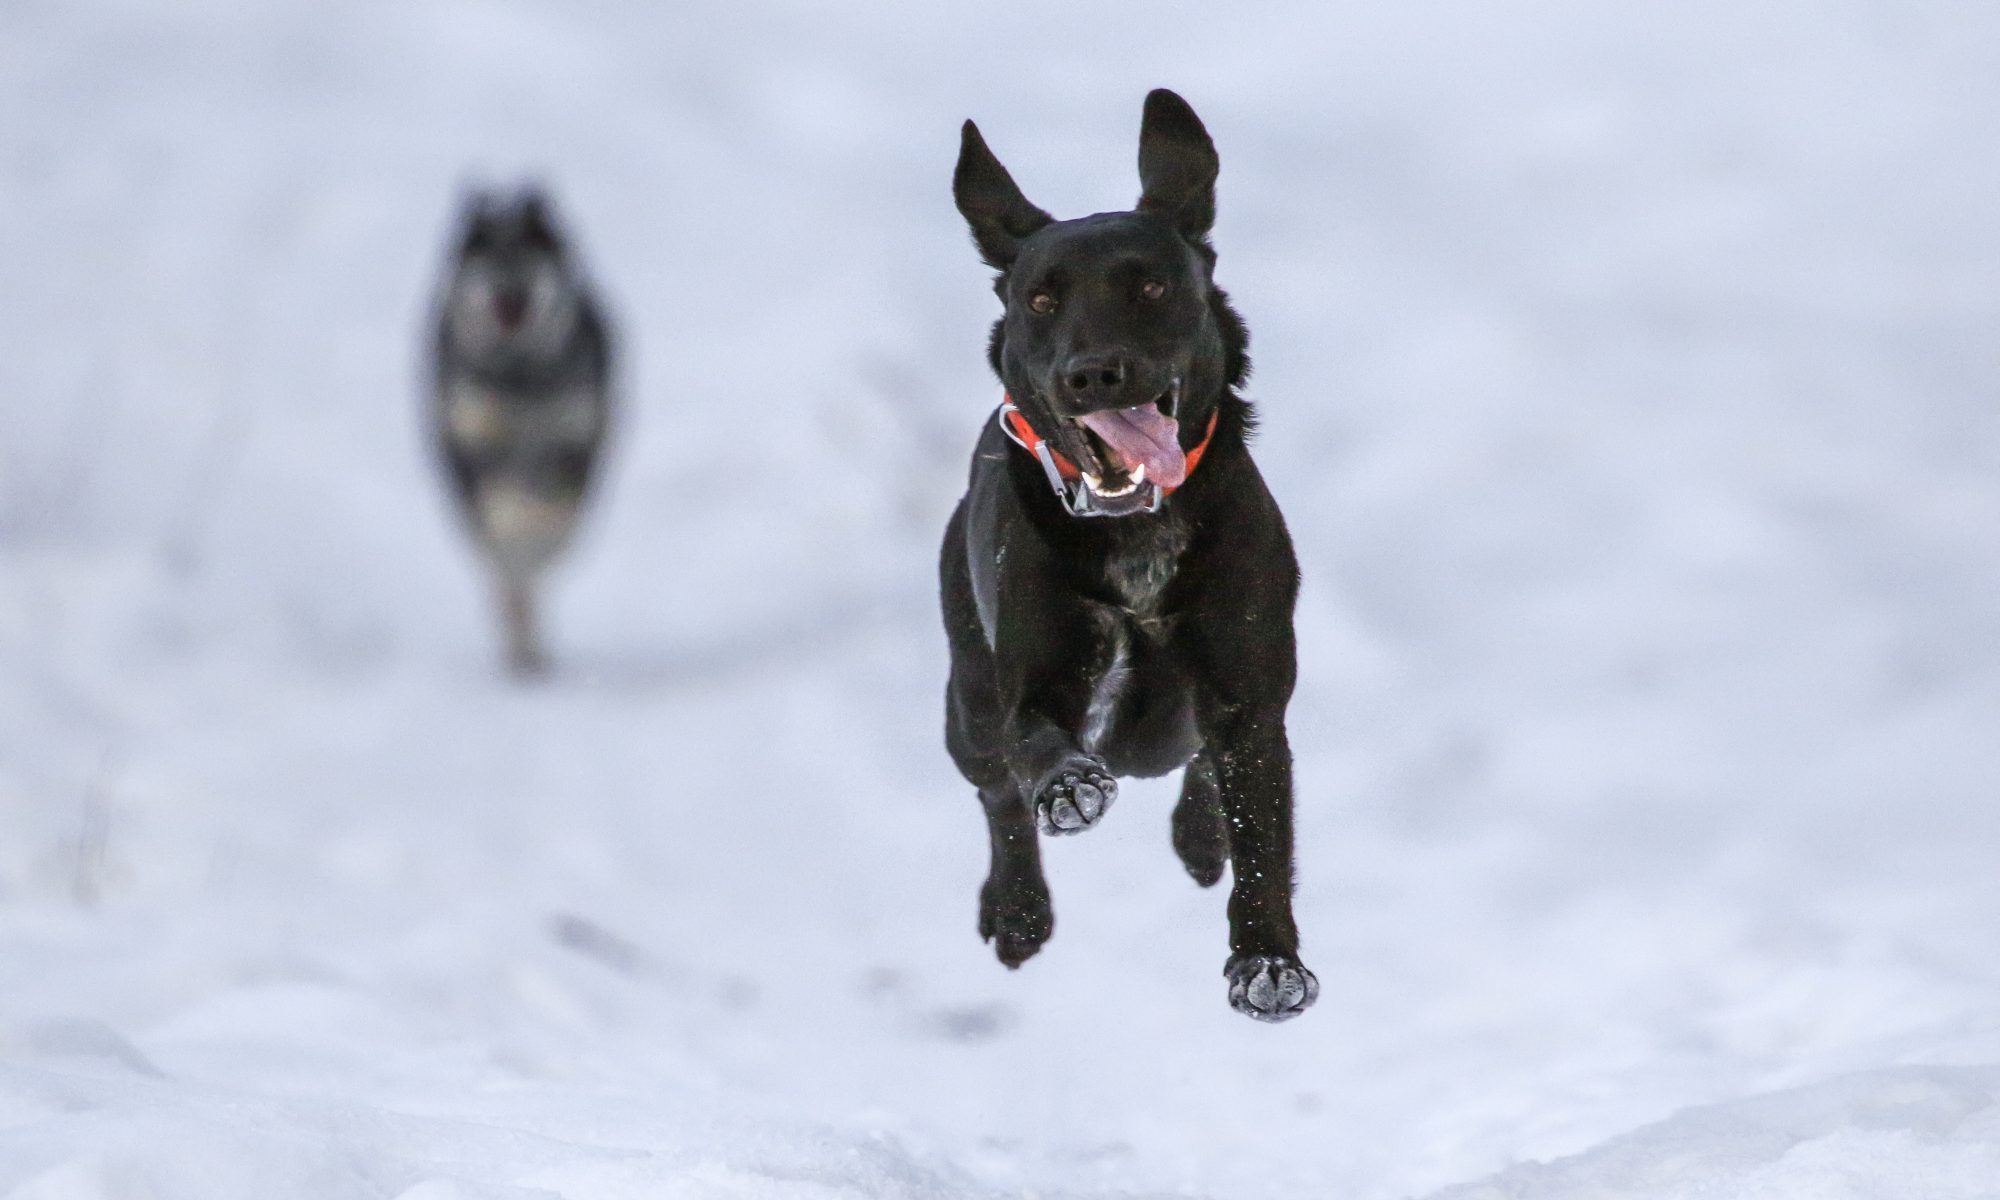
(1628, 376)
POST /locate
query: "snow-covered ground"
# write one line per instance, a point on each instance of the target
(1629, 380)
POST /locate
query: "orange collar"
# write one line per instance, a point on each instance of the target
(1023, 435)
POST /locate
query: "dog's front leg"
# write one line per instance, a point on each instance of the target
(1240, 643)
(1253, 763)
(1014, 910)
(1051, 650)
(1068, 789)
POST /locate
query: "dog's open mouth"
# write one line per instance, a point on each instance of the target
(1126, 448)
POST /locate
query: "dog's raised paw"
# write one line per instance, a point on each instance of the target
(1270, 987)
(1076, 798)
(1016, 920)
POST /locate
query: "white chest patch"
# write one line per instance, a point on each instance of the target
(478, 418)
(473, 416)
(1140, 577)
(1110, 683)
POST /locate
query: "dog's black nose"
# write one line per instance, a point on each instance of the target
(1093, 380)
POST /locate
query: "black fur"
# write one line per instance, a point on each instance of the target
(1084, 649)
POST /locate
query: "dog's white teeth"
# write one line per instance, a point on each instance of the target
(1131, 485)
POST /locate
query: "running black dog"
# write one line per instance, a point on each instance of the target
(1118, 584)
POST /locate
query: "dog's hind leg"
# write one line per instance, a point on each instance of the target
(1201, 837)
(1014, 910)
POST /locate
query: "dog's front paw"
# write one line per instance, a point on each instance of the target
(1270, 987)
(1076, 797)
(1016, 918)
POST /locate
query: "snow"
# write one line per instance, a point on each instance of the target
(1627, 379)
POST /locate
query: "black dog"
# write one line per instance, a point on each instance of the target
(1118, 584)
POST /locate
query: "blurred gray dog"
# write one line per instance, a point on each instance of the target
(520, 397)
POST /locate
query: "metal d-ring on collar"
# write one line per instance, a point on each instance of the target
(1075, 492)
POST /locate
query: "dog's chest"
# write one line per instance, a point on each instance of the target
(479, 417)
(1139, 570)
(1138, 573)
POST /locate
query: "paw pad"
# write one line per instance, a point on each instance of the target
(1075, 800)
(1270, 987)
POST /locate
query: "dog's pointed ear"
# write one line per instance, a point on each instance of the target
(538, 223)
(1177, 165)
(991, 202)
(475, 216)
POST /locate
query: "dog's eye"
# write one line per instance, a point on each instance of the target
(1042, 303)
(1153, 289)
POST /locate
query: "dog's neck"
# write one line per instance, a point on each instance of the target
(530, 366)
(1139, 566)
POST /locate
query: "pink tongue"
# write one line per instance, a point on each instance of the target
(1143, 434)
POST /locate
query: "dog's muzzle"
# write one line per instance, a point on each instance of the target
(1085, 492)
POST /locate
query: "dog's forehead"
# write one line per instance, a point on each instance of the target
(508, 241)
(510, 228)
(1106, 239)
